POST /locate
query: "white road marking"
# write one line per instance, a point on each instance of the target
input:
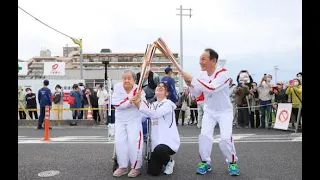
(238, 138)
(297, 139)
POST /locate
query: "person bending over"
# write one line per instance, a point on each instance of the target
(165, 139)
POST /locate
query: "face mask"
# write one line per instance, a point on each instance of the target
(296, 84)
(81, 87)
(300, 78)
(254, 87)
(268, 79)
(29, 92)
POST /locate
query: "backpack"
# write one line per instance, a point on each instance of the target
(57, 98)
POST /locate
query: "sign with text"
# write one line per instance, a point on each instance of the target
(283, 116)
(54, 68)
(23, 68)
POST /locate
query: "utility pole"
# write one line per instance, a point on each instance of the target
(181, 41)
(106, 63)
(275, 73)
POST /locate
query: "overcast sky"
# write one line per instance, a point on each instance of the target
(254, 35)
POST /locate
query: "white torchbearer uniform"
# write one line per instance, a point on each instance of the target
(217, 109)
(128, 128)
(163, 123)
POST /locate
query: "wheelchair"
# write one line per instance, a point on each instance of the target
(146, 153)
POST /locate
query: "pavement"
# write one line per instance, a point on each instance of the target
(84, 153)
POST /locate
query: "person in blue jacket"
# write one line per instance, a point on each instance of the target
(173, 96)
(78, 96)
(44, 99)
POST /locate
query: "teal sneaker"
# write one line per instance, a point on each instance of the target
(203, 168)
(233, 169)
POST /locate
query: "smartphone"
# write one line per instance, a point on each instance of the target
(274, 88)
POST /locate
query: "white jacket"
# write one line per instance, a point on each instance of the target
(164, 129)
(215, 89)
(102, 97)
(125, 111)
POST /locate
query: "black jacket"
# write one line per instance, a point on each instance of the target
(31, 100)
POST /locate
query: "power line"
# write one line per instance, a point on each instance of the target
(76, 41)
(45, 23)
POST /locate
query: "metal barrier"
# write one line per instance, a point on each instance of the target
(80, 109)
(299, 118)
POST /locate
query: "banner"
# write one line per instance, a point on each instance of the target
(23, 68)
(54, 68)
(283, 116)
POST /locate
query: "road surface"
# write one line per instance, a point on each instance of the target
(84, 153)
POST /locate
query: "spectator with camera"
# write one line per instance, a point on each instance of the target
(265, 95)
(243, 114)
(280, 95)
(294, 89)
(245, 78)
(254, 102)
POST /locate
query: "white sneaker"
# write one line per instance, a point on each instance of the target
(169, 167)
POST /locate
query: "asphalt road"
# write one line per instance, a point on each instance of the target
(80, 153)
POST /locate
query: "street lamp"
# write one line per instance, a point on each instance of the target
(79, 42)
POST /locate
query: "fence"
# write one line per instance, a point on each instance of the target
(299, 116)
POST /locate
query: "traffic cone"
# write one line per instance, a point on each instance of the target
(89, 116)
(46, 125)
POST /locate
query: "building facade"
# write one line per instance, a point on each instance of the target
(93, 67)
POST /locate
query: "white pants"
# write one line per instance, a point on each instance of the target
(206, 137)
(129, 144)
(102, 113)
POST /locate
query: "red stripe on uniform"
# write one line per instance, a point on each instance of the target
(222, 70)
(126, 99)
(200, 98)
(232, 156)
(135, 91)
(139, 146)
(209, 82)
(205, 85)
(215, 76)
(145, 102)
